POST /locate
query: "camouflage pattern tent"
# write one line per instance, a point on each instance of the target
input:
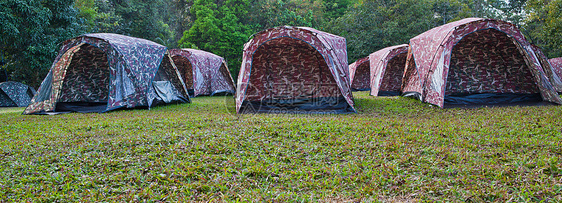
(556, 64)
(474, 56)
(359, 74)
(387, 68)
(555, 80)
(15, 94)
(381, 72)
(102, 72)
(294, 70)
(203, 73)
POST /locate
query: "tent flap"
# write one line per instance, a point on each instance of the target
(166, 92)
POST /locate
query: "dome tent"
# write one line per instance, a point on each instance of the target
(475, 61)
(102, 72)
(203, 73)
(556, 64)
(15, 94)
(381, 72)
(387, 68)
(550, 72)
(359, 74)
(294, 70)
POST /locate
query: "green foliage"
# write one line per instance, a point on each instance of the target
(137, 18)
(30, 35)
(143, 19)
(140, 18)
(393, 150)
(544, 25)
(106, 19)
(88, 12)
(447, 11)
(511, 10)
(219, 30)
(180, 19)
(374, 25)
(335, 8)
(32, 30)
(273, 13)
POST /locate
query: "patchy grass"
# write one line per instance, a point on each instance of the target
(394, 149)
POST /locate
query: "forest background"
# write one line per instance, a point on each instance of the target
(31, 31)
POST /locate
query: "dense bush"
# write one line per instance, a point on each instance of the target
(32, 30)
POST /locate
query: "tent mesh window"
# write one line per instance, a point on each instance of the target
(287, 68)
(488, 61)
(392, 78)
(362, 77)
(186, 70)
(87, 77)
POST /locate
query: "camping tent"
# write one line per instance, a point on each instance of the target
(294, 70)
(475, 61)
(381, 72)
(387, 68)
(203, 73)
(555, 80)
(15, 94)
(556, 66)
(359, 73)
(102, 72)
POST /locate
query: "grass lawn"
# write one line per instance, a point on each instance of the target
(393, 149)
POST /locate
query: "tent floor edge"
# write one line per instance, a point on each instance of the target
(323, 105)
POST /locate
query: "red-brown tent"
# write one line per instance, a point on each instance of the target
(475, 61)
(556, 64)
(387, 68)
(555, 80)
(381, 72)
(294, 70)
(360, 73)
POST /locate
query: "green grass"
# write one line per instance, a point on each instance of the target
(393, 149)
(11, 109)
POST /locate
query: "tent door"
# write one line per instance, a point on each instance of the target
(86, 82)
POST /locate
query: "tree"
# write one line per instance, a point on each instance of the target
(138, 18)
(508, 10)
(30, 33)
(218, 30)
(182, 18)
(543, 25)
(374, 25)
(273, 13)
(142, 18)
(335, 8)
(446, 11)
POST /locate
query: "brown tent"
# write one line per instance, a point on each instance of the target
(294, 70)
(475, 61)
